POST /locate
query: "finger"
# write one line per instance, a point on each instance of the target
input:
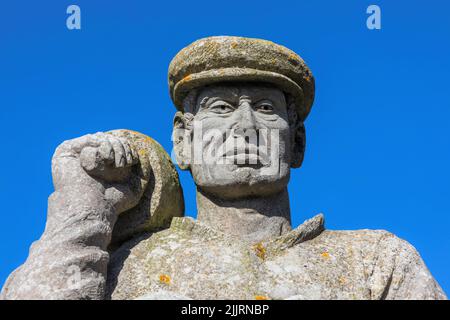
(128, 155)
(119, 152)
(72, 148)
(90, 159)
(106, 151)
(89, 140)
(134, 155)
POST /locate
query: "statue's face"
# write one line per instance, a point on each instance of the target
(240, 140)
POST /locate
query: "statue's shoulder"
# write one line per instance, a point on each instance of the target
(133, 257)
(396, 269)
(358, 235)
(312, 233)
(370, 243)
(141, 244)
(365, 235)
(157, 244)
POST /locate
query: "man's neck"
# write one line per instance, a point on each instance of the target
(252, 219)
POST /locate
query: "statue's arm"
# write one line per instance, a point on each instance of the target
(411, 279)
(70, 259)
(94, 182)
(401, 274)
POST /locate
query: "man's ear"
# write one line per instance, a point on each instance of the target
(181, 137)
(298, 146)
(298, 137)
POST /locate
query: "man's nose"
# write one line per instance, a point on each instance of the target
(246, 116)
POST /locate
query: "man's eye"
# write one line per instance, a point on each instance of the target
(221, 108)
(265, 107)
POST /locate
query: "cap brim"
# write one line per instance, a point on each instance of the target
(200, 79)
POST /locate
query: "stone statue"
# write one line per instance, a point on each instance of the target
(115, 227)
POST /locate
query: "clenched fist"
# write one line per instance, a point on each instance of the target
(104, 161)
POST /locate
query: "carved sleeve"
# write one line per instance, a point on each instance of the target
(401, 274)
(70, 260)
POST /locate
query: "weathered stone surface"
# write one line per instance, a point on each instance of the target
(110, 187)
(163, 295)
(309, 262)
(163, 198)
(97, 178)
(236, 59)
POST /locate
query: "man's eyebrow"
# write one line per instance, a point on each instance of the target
(216, 98)
(263, 96)
(258, 100)
(226, 96)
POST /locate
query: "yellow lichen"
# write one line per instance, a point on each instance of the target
(342, 280)
(164, 278)
(187, 78)
(260, 250)
(261, 297)
(325, 255)
(142, 152)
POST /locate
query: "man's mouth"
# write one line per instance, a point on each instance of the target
(245, 159)
(243, 156)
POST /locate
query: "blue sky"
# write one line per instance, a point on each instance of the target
(378, 137)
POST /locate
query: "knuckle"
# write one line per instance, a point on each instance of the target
(64, 149)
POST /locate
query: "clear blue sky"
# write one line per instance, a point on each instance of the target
(378, 149)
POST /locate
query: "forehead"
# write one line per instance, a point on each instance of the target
(235, 91)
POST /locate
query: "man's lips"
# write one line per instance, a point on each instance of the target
(248, 154)
(248, 150)
(245, 158)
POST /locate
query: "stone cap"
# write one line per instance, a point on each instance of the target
(231, 59)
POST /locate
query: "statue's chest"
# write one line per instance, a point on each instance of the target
(218, 270)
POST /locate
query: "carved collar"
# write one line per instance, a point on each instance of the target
(308, 230)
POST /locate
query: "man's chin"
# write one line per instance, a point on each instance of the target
(245, 182)
(247, 175)
(237, 192)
